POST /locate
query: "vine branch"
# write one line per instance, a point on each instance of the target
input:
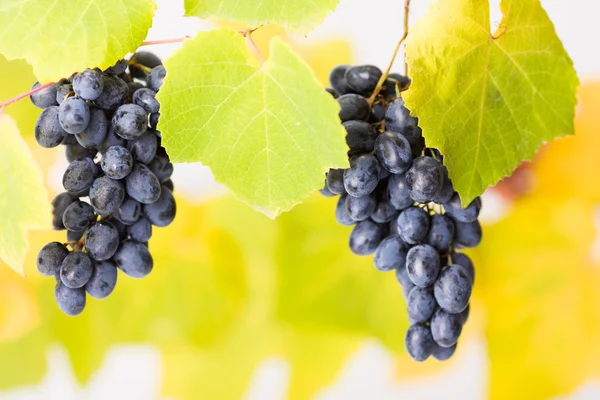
(23, 95)
(164, 41)
(247, 34)
(387, 71)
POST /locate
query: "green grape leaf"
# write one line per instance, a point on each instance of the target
(486, 101)
(24, 201)
(58, 39)
(268, 132)
(301, 16)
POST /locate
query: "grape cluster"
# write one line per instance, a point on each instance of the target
(401, 202)
(118, 182)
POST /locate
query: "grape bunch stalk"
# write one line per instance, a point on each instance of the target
(402, 204)
(118, 182)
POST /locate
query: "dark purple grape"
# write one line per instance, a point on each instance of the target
(74, 115)
(102, 241)
(362, 177)
(134, 259)
(421, 304)
(46, 97)
(106, 195)
(445, 328)
(362, 79)
(423, 265)
(103, 280)
(441, 232)
(129, 211)
(78, 216)
(419, 342)
(390, 254)
(76, 270)
(452, 289)
(48, 131)
(88, 84)
(156, 77)
(130, 121)
(50, 258)
(393, 152)
(466, 215)
(70, 301)
(95, 133)
(143, 149)
(413, 225)
(59, 205)
(337, 79)
(353, 107)
(117, 162)
(360, 137)
(79, 175)
(114, 94)
(366, 236)
(142, 185)
(162, 212)
(141, 231)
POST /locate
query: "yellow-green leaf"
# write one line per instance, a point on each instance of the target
(58, 38)
(268, 132)
(301, 16)
(24, 201)
(488, 101)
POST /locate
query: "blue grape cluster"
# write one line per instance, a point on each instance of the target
(403, 208)
(118, 183)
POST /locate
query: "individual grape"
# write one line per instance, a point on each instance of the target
(393, 152)
(384, 211)
(112, 139)
(95, 133)
(337, 79)
(141, 231)
(70, 301)
(117, 162)
(360, 137)
(145, 59)
(424, 179)
(76, 270)
(447, 190)
(73, 237)
(341, 212)
(443, 353)
(129, 211)
(402, 277)
(423, 265)
(154, 117)
(419, 342)
(416, 140)
(464, 261)
(142, 185)
(76, 151)
(464, 314)
(362, 79)
(366, 236)
(466, 215)
(421, 304)
(335, 181)
(78, 216)
(413, 225)
(59, 205)
(324, 191)
(361, 208)
(74, 115)
(63, 92)
(353, 107)
(168, 184)
(134, 259)
(118, 68)
(48, 131)
(88, 84)
(79, 175)
(130, 121)
(106, 195)
(102, 241)
(441, 232)
(445, 328)
(398, 118)
(452, 289)
(377, 113)
(162, 168)
(50, 258)
(363, 175)
(156, 77)
(103, 280)
(398, 193)
(468, 234)
(143, 149)
(46, 97)
(390, 254)
(114, 94)
(394, 84)
(146, 99)
(162, 212)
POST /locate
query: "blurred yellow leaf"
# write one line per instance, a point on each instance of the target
(23, 197)
(16, 78)
(567, 166)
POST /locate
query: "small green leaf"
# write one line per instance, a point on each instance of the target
(301, 16)
(59, 38)
(24, 201)
(488, 101)
(269, 133)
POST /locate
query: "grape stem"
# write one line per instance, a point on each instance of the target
(387, 71)
(164, 41)
(23, 95)
(247, 34)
